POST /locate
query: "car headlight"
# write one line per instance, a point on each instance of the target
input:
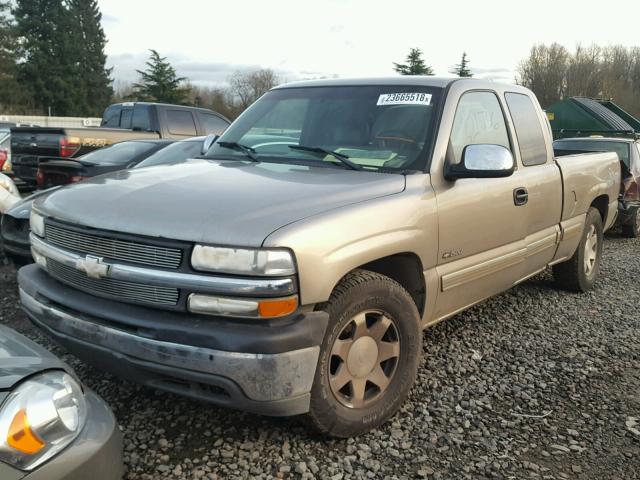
(243, 261)
(36, 222)
(40, 418)
(7, 184)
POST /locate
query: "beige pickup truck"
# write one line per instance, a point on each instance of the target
(292, 269)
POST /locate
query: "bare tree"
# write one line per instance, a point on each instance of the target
(544, 72)
(584, 74)
(247, 87)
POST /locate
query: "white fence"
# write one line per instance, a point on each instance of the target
(71, 122)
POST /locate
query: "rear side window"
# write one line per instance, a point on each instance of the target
(478, 120)
(180, 122)
(111, 117)
(212, 124)
(533, 149)
(141, 119)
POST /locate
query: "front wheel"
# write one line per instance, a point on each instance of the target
(631, 229)
(579, 273)
(369, 357)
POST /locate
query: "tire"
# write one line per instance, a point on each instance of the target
(342, 413)
(579, 273)
(631, 229)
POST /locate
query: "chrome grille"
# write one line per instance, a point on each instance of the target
(110, 288)
(126, 251)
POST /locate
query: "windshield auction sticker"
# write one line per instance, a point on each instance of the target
(404, 98)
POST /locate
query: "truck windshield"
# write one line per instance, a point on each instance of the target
(374, 127)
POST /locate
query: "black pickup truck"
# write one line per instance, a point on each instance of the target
(121, 121)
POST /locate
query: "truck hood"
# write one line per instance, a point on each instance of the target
(218, 202)
(21, 358)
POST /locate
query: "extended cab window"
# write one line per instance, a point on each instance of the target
(212, 124)
(180, 122)
(141, 120)
(478, 120)
(533, 149)
(125, 117)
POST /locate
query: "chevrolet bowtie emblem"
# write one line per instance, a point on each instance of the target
(93, 267)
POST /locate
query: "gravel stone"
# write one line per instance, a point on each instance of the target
(534, 383)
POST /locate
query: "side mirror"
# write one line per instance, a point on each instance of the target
(482, 161)
(208, 141)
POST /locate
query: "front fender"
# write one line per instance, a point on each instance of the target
(330, 245)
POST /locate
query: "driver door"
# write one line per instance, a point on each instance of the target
(481, 228)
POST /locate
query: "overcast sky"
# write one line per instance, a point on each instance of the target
(207, 40)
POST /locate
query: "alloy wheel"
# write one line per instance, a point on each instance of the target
(591, 251)
(364, 358)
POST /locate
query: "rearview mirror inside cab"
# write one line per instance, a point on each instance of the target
(482, 161)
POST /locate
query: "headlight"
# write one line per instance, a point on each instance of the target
(36, 222)
(241, 261)
(40, 418)
(7, 184)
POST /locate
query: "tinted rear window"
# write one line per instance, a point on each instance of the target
(180, 122)
(212, 123)
(577, 146)
(533, 149)
(121, 153)
(174, 153)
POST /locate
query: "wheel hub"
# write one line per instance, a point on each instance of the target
(591, 251)
(362, 357)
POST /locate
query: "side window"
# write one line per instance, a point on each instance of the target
(125, 117)
(180, 122)
(111, 117)
(533, 149)
(478, 120)
(141, 120)
(212, 123)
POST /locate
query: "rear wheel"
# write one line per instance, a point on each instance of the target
(579, 273)
(631, 229)
(369, 357)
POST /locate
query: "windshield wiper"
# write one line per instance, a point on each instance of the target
(248, 151)
(344, 159)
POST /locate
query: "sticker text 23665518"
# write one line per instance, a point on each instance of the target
(405, 98)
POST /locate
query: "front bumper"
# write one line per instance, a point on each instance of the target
(96, 453)
(259, 366)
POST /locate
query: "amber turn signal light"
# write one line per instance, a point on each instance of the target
(278, 307)
(21, 437)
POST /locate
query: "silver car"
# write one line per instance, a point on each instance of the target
(51, 427)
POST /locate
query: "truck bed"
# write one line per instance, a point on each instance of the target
(586, 176)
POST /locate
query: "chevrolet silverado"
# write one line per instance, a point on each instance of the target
(292, 269)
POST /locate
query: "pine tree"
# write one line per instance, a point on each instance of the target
(159, 82)
(11, 94)
(90, 42)
(462, 69)
(49, 70)
(414, 64)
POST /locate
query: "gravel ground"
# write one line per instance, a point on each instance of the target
(534, 383)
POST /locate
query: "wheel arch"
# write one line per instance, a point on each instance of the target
(405, 268)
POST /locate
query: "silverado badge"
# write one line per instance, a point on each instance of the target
(93, 267)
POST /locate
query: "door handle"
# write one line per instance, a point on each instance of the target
(520, 196)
